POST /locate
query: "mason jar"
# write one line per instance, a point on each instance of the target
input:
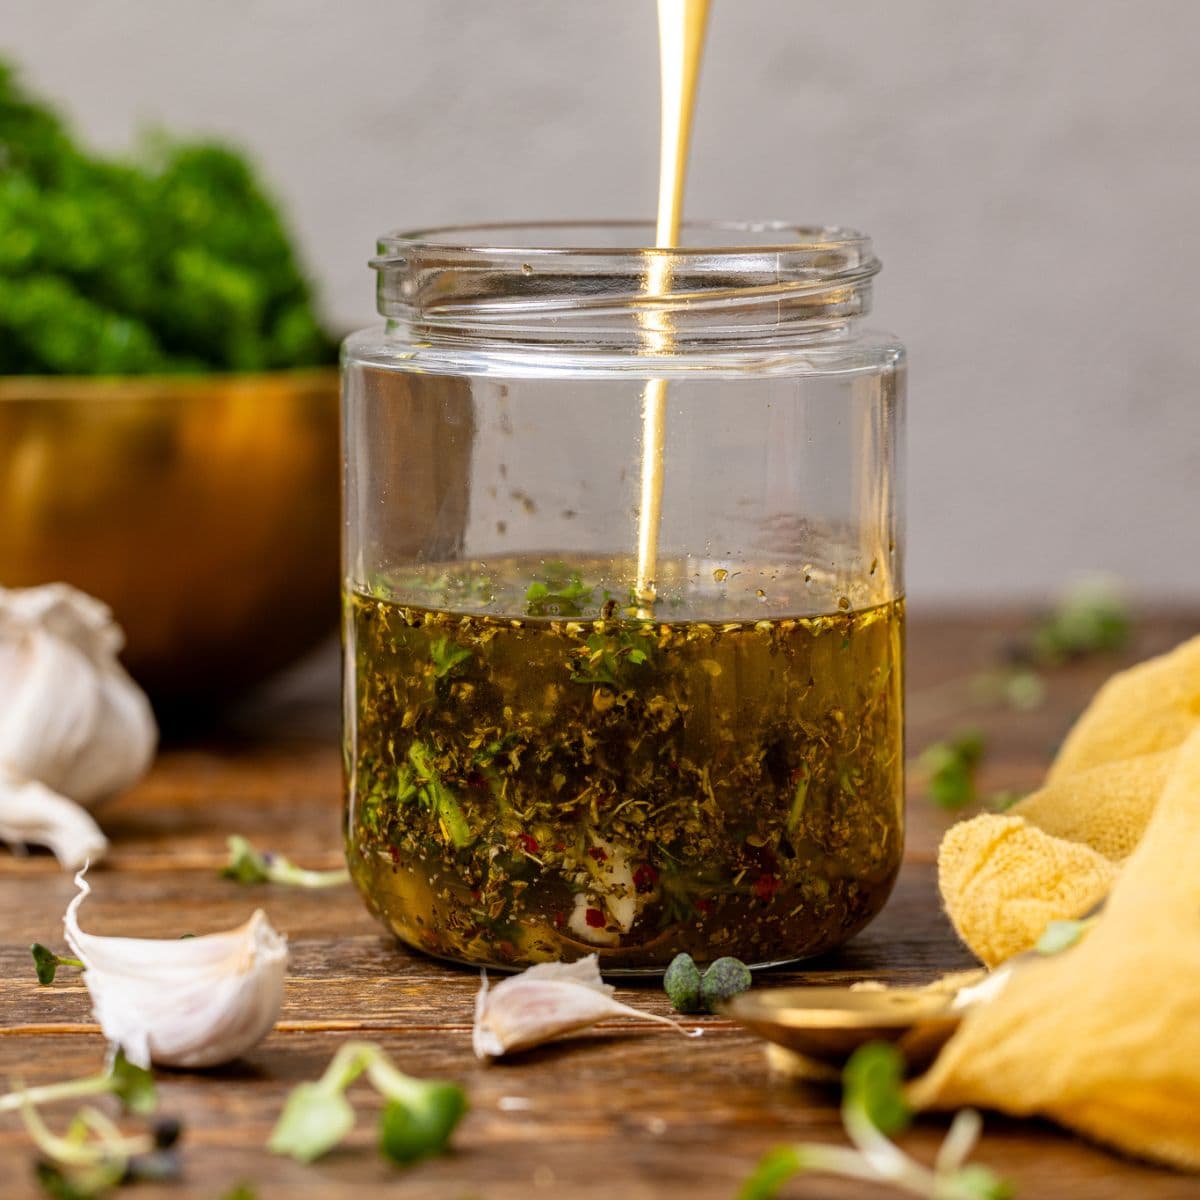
(559, 742)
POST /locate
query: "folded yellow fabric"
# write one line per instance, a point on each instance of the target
(1058, 851)
(1104, 1037)
(1004, 880)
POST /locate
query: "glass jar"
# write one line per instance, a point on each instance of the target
(541, 763)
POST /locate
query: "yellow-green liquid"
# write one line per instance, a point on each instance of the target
(535, 780)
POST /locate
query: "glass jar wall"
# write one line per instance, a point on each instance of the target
(539, 765)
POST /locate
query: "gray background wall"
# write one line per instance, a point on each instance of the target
(1030, 171)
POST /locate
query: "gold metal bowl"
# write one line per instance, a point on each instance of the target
(204, 510)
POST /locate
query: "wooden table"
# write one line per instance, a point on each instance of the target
(633, 1112)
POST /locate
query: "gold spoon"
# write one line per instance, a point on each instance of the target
(827, 1024)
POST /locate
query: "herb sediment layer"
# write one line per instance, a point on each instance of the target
(529, 788)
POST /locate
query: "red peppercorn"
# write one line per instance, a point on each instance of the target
(598, 853)
(595, 918)
(765, 887)
(703, 906)
(645, 878)
(559, 919)
(528, 842)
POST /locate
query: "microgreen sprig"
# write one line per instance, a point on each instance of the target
(950, 768)
(94, 1155)
(417, 1120)
(873, 1109)
(248, 865)
(132, 1085)
(1062, 935)
(1091, 618)
(46, 963)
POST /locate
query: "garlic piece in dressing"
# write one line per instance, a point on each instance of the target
(547, 1001)
(187, 1002)
(72, 719)
(610, 892)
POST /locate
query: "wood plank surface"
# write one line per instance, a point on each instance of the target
(631, 1111)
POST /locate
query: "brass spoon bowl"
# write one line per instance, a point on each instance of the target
(827, 1024)
(203, 510)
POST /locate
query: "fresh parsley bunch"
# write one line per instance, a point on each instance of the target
(176, 261)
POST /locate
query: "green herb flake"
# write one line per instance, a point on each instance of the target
(46, 963)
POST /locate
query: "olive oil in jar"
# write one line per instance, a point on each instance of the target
(540, 771)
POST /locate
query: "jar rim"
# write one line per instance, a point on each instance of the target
(604, 284)
(503, 237)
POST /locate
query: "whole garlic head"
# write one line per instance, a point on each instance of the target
(182, 1002)
(72, 720)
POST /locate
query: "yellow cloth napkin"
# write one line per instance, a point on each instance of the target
(1103, 1037)
(1057, 852)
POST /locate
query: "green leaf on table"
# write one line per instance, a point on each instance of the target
(409, 1131)
(1092, 618)
(132, 1085)
(314, 1119)
(1061, 935)
(771, 1172)
(950, 768)
(873, 1081)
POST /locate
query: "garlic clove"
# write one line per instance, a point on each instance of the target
(191, 1002)
(612, 893)
(32, 814)
(548, 1001)
(73, 719)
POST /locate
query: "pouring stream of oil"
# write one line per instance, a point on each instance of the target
(681, 27)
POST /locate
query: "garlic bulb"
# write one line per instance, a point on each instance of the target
(547, 1001)
(190, 1002)
(72, 719)
(31, 814)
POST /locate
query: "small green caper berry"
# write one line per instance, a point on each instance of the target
(682, 984)
(724, 979)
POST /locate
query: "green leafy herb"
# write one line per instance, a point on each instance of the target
(1061, 935)
(1017, 687)
(437, 797)
(46, 963)
(417, 1121)
(873, 1109)
(1004, 799)
(950, 768)
(681, 982)
(559, 592)
(722, 980)
(1091, 618)
(176, 261)
(94, 1155)
(446, 656)
(248, 865)
(132, 1085)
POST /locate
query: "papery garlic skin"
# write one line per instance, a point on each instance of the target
(31, 814)
(547, 1001)
(71, 718)
(190, 1002)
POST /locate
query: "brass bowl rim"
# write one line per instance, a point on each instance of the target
(66, 387)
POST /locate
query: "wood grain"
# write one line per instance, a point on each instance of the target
(630, 1111)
